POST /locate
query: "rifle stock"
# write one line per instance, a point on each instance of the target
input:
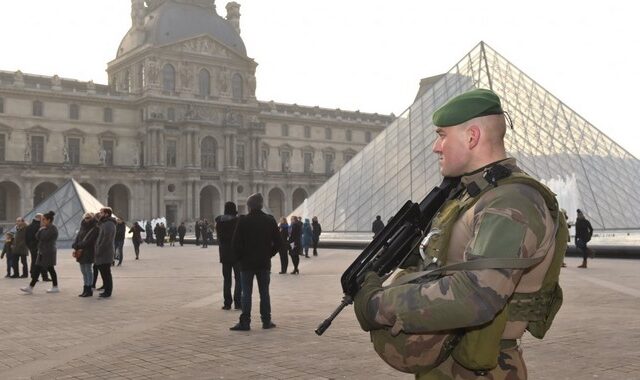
(391, 246)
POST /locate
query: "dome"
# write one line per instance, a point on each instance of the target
(173, 21)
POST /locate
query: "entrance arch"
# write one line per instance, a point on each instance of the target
(42, 192)
(209, 202)
(118, 200)
(9, 202)
(90, 188)
(276, 202)
(299, 195)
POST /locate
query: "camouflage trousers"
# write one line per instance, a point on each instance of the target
(510, 367)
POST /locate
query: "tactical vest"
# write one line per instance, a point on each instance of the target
(478, 348)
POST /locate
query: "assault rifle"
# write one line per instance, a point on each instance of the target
(393, 245)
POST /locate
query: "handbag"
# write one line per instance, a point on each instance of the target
(77, 253)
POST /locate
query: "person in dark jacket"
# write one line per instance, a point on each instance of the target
(584, 231)
(7, 250)
(225, 226)
(307, 237)
(136, 238)
(104, 250)
(121, 230)
(85, 244)
(148, 231)
(317, 230)
(377, 225)
(255, 241)
(198, 231)
(283, 228)
(173, 232)
(32, 244)
(205, 230)
(47, 253)
(20, 249)
(182, 230)
(295, 237)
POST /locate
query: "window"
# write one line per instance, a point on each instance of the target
(367, 136)
(168, 78)
(348, 135)
(308, 162)
(1, 105)
(172, 153)
(347, 157)
(327, 133)
(2, 147)
(285, 130)
(328, 163)
(307, 132)
(204, 83)
(73, 150)
(236, 87)
(108, 115)
(208, 152)
(127, 81)
(107, 146)
(240, 156)
(285, 156)
(171, 114)
(37, 149)
(74, 112)
(38, 108)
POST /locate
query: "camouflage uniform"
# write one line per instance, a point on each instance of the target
(508, 221)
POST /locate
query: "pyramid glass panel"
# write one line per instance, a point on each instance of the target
(551, 142)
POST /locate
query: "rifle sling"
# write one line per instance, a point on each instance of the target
(490, 263)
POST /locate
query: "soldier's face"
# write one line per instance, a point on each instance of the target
(452, 150)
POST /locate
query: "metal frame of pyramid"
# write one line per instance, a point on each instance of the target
(552, 142)
(70, 201)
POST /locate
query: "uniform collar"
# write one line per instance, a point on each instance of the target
(478, 180)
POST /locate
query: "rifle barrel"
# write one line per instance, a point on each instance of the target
(327, 322)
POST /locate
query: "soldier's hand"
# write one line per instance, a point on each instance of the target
(371, 285)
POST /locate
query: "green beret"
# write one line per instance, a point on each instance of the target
(464, 107)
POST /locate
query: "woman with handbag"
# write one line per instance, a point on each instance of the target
(84, 251)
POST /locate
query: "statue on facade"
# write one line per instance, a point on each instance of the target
(18, 78)
(135, 158)
(152, 70)
(55, 81)
(65, 153)
(265, 159)
(27, 151)
(186, 75)
(223, 80)
(102, 156)
(137, 13)
(251, 84)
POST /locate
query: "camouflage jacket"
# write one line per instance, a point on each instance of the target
(508, 221)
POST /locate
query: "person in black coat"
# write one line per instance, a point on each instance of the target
(85, 244)
(283, 228)
(295, 237)
(121, 230)
(317, 230)
(225, 226)
(173, 232)
(148, 232)
(584, 231)
(136, 238)
(255, 241)
(182, 230)
(47, 236)
(197, 229)
(377, 225)
(32, 244)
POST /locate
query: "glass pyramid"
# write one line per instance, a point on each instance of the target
(550, 141)
(70, 201)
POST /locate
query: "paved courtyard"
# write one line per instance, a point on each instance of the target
(164, 322)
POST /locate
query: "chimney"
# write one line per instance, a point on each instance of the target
(233, 15)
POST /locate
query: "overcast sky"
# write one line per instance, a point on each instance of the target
(369, 55)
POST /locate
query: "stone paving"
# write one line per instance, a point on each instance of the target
(164, 321)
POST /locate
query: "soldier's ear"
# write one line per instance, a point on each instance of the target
(473, 134)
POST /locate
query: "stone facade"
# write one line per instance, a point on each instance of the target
(176, 132)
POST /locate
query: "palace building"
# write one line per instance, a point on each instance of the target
(176, 132)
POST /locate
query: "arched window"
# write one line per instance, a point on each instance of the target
(208, 151)
(168, 78)
(236, 87)
(204, 83)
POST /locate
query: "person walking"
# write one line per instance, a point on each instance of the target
(47, 236)
(198, 230)
(204, 233)
(121, 230)
(173, 232)
(7, 251)
(307, 236)
(317, 230)
(225, 226)
(104, 250)
(255, 241)
(32, 244)
(295, 239)
(283, 228)
(584, 231)
(377, 225)
(84, 247)
(182, 230)
(20, 249)
(136, 238)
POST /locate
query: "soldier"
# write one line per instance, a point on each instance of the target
(466, 323)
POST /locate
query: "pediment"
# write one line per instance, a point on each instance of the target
(206, 45)
(74, 132)
(37, 130)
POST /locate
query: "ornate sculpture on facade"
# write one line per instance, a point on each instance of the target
(18, 78)
(265, 159)
(137, 13)
(56, 82)
(102, 156)
(91, 87)
(27, 151)
(152, 70)
(223, 80)
(65, 153)
(186, 75)
(135, 156)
